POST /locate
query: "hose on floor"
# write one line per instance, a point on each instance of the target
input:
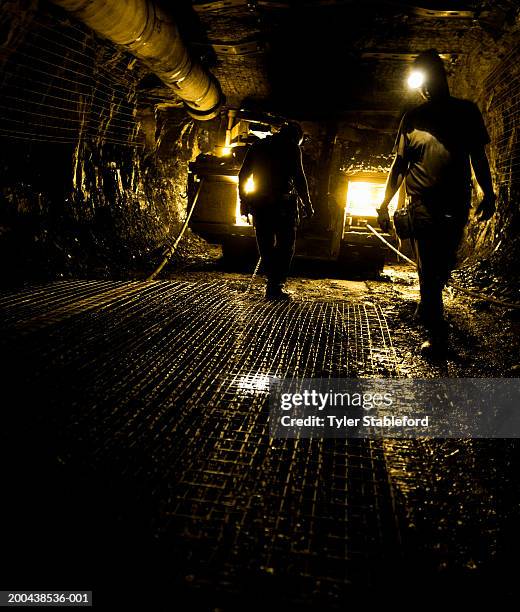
(171, 250)
(451, 284)
(255, 272)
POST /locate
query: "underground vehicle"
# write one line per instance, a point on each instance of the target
(339, 235)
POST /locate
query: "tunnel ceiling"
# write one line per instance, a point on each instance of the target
(315, 60)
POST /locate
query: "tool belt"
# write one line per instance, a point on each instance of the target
(403, 223)
(417, 219)
(286, 204)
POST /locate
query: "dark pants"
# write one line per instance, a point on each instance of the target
(276, 238)
(435, 244)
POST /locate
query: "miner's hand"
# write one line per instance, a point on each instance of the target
(383, 218)
(245, 209)
(486, 208)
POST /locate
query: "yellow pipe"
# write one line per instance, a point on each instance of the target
(153, 37)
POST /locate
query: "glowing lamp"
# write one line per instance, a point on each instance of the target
(249, 187)
(364, 197)
(416, 79)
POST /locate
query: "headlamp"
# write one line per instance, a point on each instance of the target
(416, 79)
(250, 186)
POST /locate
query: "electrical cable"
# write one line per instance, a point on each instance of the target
(255, 272)
(171, 250)
(451, 284)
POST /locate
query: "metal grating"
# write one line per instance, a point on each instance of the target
(166, 382)
(60, 83)
(502, 106)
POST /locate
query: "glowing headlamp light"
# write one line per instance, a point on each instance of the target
(416, 79)
(250, 186)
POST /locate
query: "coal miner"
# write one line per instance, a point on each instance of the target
(273, 187)
(437, 144)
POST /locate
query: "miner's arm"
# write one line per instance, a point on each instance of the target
(394, 181)
(480, 164)
(300, 182)
(397, 174)
(245, 172)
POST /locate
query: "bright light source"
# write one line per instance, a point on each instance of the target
(416, 79)
(224, 151)
(260, 134)
(249, 187)
(364, 197)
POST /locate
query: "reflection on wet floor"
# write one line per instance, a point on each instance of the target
(159, 391)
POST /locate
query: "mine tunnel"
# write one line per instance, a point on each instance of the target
(140, 348)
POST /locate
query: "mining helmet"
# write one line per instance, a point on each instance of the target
(429, 75)
(292, 131)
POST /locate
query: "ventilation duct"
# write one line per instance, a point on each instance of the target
(153, 37)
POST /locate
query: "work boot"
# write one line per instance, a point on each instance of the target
(418, 313)
(436, 346)
(433, 349)
(276, 292)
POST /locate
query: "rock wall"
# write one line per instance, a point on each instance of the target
(93, 166)
(490, 75)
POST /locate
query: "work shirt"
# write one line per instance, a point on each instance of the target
(276, 165)
(436, 139)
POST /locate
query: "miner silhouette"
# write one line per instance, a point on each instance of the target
(272, 185)
(436, 145)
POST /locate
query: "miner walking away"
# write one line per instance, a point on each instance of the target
(434, 147)
(271, 184)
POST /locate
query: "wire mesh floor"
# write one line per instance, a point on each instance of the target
(164, 386)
